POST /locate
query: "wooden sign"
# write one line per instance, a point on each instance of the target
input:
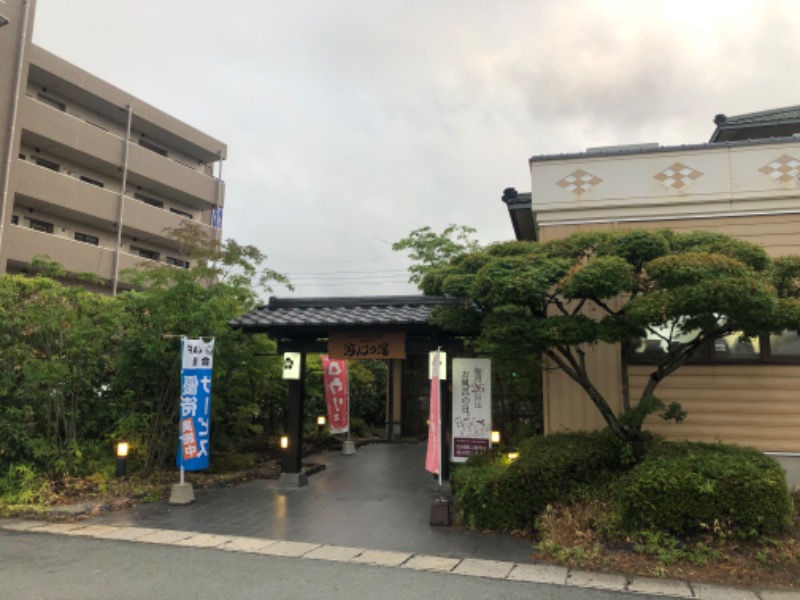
(361, 346)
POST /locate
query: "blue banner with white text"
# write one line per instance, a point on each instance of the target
(197, 357)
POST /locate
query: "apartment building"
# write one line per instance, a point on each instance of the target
(744, 182)
(92, 176)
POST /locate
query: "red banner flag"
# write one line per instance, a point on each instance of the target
(337, 394)
(434, 457)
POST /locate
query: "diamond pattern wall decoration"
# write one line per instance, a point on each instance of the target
(784, 169)
(579, 181)
(677, 176)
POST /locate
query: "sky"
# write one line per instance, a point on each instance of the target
(350, 123)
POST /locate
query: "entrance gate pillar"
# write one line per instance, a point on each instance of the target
(292, 463)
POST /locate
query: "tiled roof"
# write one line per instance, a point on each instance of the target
(316, 313)
(772, 123)
(775, 115)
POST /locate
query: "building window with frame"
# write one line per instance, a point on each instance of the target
(145, 253)
(152, 147)
(52, 102)
(181, 213)
(734, 348)
(14, 220)
(177, 262)
(148, 200)
(91, 181)
(42, 226)
(47, 164)
(86, 238)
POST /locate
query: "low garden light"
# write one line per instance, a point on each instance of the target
(122, 459)
(495, 437)
(284, 442)
(321, 420)
(512, 456)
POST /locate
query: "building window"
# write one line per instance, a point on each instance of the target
(734, 348)
(50, 101)
(177, 262)
(22, 156)
(47, 164)
(91, 181)
(14, 220)
(181, 213)
(42, 226)
(152, 147)
(86, 238)
(148, 200)
(96, 125)
(145, 253)
(785, 346)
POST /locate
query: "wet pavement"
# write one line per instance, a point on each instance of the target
(380, 498)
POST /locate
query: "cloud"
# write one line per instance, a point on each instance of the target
(349, 123)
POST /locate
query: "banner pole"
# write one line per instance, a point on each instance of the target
(439, 368)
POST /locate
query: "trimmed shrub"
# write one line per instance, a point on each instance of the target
(688, 488)
(493, 494)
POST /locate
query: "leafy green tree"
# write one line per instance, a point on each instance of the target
(55, 371)
(429, 249)
(559, 298)
(221, 283)
(517, 397)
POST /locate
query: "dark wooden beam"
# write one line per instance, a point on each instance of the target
(293, 455)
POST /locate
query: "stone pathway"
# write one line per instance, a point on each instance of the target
(470, 567)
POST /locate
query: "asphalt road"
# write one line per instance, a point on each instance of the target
(48, 567)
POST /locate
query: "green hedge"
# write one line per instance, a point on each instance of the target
(493, 494)
(687, 488)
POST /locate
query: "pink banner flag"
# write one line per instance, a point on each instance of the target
(337, 394)
(434, 456)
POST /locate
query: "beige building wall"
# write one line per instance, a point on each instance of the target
(80, 185)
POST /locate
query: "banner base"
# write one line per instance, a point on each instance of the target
(292, 480)
(182, 493)
(348, 447)
(440, 513)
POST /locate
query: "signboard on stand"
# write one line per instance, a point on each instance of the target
(472, 407)
(197, 358)
(337, 394)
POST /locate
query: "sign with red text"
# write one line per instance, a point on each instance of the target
(337, 394)
(472, 407)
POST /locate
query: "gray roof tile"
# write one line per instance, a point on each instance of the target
(283, 313)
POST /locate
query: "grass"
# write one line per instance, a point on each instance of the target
(583, 534)
(71, 498)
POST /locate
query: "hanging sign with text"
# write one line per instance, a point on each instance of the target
(337, 394)
(472, 407)
(197, 358)
(360, 346)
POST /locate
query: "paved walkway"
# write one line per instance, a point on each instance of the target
(371, 508)
(379, 498)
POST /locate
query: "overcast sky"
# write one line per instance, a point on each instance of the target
(350, 123)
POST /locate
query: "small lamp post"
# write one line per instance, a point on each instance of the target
(495, 438)
(321, 420)
(284, 442)
(122, 460)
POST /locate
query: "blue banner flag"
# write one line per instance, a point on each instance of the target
(197, 357)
